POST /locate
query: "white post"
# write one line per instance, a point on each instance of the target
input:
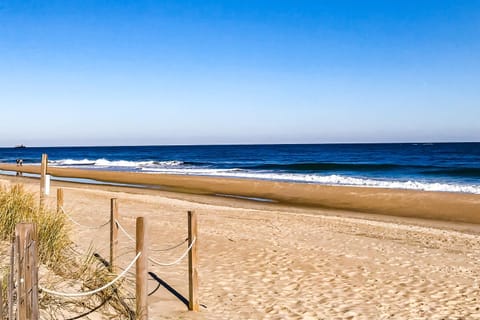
(47, 185)
(43, 173)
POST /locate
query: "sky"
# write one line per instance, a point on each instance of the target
(240, 71)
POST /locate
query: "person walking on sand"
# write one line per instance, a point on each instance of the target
(19, 164)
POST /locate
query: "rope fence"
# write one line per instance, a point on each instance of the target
(116, 225)
(176, 261)
(163, 264)
(24, 254)
(170, 248)
(82, 225)
(121, 228)
(92, 292)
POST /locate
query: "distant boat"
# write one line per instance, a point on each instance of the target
(20, 146)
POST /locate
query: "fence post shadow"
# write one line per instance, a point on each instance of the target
(177, 294)
(155, 277)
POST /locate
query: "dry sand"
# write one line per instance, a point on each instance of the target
(278, 261)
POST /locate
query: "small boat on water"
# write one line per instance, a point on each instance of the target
(20, 146)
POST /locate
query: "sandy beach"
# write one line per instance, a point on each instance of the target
(316, 252)
(240, 160)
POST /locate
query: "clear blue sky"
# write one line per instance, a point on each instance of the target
(201, 72)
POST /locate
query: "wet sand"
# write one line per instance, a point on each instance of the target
(406, 203)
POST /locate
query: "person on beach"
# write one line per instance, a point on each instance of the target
(19, 164)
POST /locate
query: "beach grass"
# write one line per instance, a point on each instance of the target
(60, 264)
(16, 206)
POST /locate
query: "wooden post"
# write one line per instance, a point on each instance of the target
(43, 173)
(10, 281)
(31, 273)
(1, 298)
(113, 233)
(192, 263)
(27, 272)
(141, 270)
(33, 259)
(59, 200)
(25, 235)
(27, 275)
(21, 314)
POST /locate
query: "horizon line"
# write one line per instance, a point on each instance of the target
(233, 144)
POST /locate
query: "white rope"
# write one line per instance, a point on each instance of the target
(169, 248)
(176, 261)
(82, 225)
(133, 240)
(87, 293)
(124, 231)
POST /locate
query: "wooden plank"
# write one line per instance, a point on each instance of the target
(193, 304)
(141, 288)
(113, 234)
(59, 200)
(43, 173)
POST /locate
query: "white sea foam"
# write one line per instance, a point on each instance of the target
(179, 167)
(193, 171)
(104, 163)
(327, 180)
(71, 162)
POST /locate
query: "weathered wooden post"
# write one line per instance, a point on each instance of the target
(59, 200)
(26, 267)
(192, 263)
(21, 312)
(1, 298)
(11, 278)
(141, 270)
(113, 233)
(33, 271)
(27, 275)
(43, 174)
(19, 242)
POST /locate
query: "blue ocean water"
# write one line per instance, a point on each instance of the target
(422, 166)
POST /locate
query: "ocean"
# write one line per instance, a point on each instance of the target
(453, 167)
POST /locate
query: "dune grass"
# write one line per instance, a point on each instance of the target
(17, 205)
(58, 255)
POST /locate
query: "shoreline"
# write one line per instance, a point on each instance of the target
(446, 206)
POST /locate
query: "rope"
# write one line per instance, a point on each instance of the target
(82, 225)
(159, 250)
(124, 231)
(176, 261)
(87, 293)
(170, 248)
(155, 261)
